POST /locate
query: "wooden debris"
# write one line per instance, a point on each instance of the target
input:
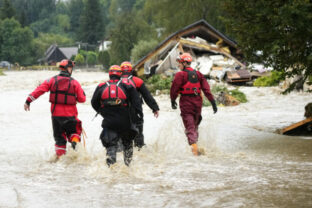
(301, 128)
(241, 75)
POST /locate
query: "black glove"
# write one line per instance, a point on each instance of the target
(214, 106)
(173, 104)
(139, 138)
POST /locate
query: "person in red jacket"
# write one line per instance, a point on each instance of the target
(113, 100)
(189, 84)
(65, 92)
(128, 78)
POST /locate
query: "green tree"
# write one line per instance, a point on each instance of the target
(76, 8)
(129, 28)
(91, 58)
(38, 9)
(175, 14)
(7, 10)
(63, 22)
(16, 42)
(92, 26)
(79, 59)
(142, 48)
(277, 33)
(103, 58)
(41, 26)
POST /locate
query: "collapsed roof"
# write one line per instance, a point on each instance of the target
(199, 36)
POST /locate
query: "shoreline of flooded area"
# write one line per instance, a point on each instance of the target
(245, 163)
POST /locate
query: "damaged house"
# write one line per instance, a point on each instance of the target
(215, 55)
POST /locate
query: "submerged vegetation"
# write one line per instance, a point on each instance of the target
(272, 80)
(159, 82)
(217, 90)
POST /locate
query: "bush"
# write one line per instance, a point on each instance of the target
(1, 72)
(79, 59)
(142, 48)
(272, 80)
(240, 96)
(104, 58)
(159, 82)
(91, 58)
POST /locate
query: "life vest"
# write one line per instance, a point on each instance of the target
(113, 95)
(62, 91)
(192, 86)
(128, 80)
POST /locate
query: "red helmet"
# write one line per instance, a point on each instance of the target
(184, 57)
(66, 63)
(126, 66)
(115, 70)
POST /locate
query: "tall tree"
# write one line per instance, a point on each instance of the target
(128, 29)
(175, 14)
(39, 9)
(277, 33)
(75, 8)
(7, 10)
(92, 26)
(16, 42)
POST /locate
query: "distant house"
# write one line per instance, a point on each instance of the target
(105, 45)
(55, 54)
(199, 38)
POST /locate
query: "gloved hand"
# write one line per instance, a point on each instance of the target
(214, 106)
(139, 141)
(173, 104)
(139, 138)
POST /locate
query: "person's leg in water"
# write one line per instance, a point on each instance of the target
(73, 128)
(191, 130)
(109, 140)
(59, 137)
(127, 141)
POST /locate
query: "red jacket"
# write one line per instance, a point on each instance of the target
(189, 104)
(59, 109)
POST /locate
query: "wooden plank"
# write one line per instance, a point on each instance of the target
(181, 47)
(238, 80)
(220, 68)
(152, 53)
(296, 125)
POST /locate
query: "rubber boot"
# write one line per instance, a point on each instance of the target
(111, 153)
(194, 149)
(128, 153)
(74, 141)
